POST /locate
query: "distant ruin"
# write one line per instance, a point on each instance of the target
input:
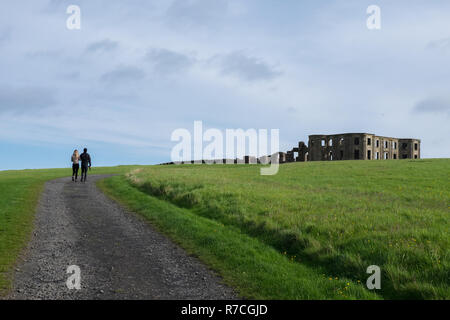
(358, 146)
(334, 147)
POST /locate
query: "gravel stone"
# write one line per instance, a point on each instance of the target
(120, 255)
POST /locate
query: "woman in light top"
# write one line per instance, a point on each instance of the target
(75, 165)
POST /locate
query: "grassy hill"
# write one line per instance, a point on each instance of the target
(310, 231)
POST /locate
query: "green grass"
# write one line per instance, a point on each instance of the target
(308, 232)
(20, 191)
(282, 236)
(254, 269)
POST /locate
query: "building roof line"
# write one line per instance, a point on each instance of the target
(359, 133)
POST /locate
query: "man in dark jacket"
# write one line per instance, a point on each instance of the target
(85, 164)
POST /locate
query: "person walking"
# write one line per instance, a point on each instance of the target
(85, 164)
(75, 165)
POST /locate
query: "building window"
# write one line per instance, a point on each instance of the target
(369, 154)
(378, 143)
(395, 156)
(356, 141)
(377, 156)
(369, 141)
(323, 143)
(404, 145)
(415, 146)
(341, 141)
(394, 144)
(356, 154)
(386, 155)
(330, 142)
(385, 144)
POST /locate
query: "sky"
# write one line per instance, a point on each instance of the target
(139, 69)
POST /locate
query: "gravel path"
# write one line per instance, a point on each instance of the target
(120, 256)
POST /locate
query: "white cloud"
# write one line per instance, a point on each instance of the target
(102, 46)
(188, 13)
(123, 74)
(433, 105)
(301, 67)
(245, 67)
(25, 99)
(166, 61)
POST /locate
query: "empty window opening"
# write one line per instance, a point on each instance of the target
(415, 146)
(415, 156)
(356, 141)
(369, 141)
(395, 156)
(369, 154)
(378, 143)
(385, 144)
(356, 154)
(331, 156)
(377, 156)
(341, 141)
(323, 143)
(386, 155)
(330, 142)
(394, 145)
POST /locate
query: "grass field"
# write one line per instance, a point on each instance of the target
(20, 192)
(308, 232)
(311, 230)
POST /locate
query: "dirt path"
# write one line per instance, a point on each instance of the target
(119, 255)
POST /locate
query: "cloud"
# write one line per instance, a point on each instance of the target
(166, 61)
(196, 12)
(22, 100)
(441, 44)
(75, 75)
(246, 68)
(300, 67)
(44, 54)
(5, 35)
(123, 73)
(103, 46)
(435, 105)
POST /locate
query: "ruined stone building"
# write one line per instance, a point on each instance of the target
(355, 146)
(344, 146)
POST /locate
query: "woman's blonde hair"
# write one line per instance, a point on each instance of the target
(76, 154)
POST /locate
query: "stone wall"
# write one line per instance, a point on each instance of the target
(345, 146)
(361, 146)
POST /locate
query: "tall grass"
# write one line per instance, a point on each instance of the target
(337, 217)
(254, 269)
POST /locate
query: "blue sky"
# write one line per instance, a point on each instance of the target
(137, 70)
